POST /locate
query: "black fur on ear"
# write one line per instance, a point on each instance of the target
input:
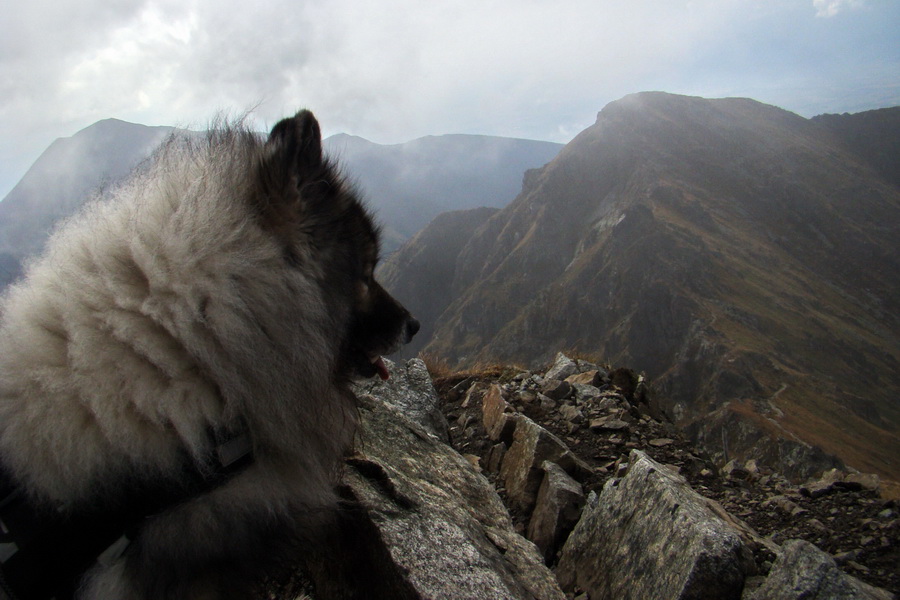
(297, 144)
(292, 160)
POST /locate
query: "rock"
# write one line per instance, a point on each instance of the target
(410, 389)
(785, 504)
(556, 389)
(734, 470)
(593, 378)
(521, 469)
(585, 392)
(605, 424)
(546, 402)
(803, 572)
(496, 415)
(649, 535)
(433, 527)
(556, 511)
(585, 366)
(495, 457)
(660, 442)
(817, 489)
(868, 481)
(571, 413)
(563, 366)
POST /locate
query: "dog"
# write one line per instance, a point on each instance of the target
(218, 303)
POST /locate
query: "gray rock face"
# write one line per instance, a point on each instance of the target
(496, 415)
(563, 366)
(559, 503)
(803, 572)
(521, 468)
(429, 525)
(411, 391)
(441, 528)
(649, 535)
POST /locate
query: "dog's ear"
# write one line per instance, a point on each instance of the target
(292, 161)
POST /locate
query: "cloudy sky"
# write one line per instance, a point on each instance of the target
(394, 70)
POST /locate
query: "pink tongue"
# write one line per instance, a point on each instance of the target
(382, 369)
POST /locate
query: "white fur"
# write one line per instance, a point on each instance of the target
(161, 312)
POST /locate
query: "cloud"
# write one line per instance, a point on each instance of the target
(829, 8)
(390, 70)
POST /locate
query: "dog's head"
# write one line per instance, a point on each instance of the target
(325, 230)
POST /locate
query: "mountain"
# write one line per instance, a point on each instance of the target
(406, 184)
(424, 268)
(409, 184)
(742, 256)
(63, 178)
(874, 135)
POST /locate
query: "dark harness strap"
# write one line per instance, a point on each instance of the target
(44, 552)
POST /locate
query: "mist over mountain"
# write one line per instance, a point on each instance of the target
(407, 185)
(742, 256)
(63, 178)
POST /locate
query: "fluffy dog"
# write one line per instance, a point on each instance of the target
(225, 292)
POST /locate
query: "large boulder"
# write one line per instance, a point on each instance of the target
(803, 572)
(560, 500)
(649, 535)
(432, 526)
(521, 471)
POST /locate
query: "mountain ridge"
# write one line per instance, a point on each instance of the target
(740, 254)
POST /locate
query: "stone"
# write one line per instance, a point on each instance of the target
(785, 504)
(734, 470)
(649, 535)
(546, 402)
(660, 442)
(868, 481)
(521, 468)
(585, 392)
(584, 366)
(410, 389)
(556, 389)
(571, 413)
(817, 489)
(495, 457)
(604, 424)
(558, 507)
(803, 572)
(496, 415)
(431, 525)
(593, 378)
(563, 366)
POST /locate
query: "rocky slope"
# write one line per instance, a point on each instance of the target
(613, 505)
(743, 257)
(603, 415)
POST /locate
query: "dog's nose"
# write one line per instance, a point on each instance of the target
(412, 327)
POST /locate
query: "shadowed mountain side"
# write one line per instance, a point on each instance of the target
(739, 254)
(423, 270)
(874, 135)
